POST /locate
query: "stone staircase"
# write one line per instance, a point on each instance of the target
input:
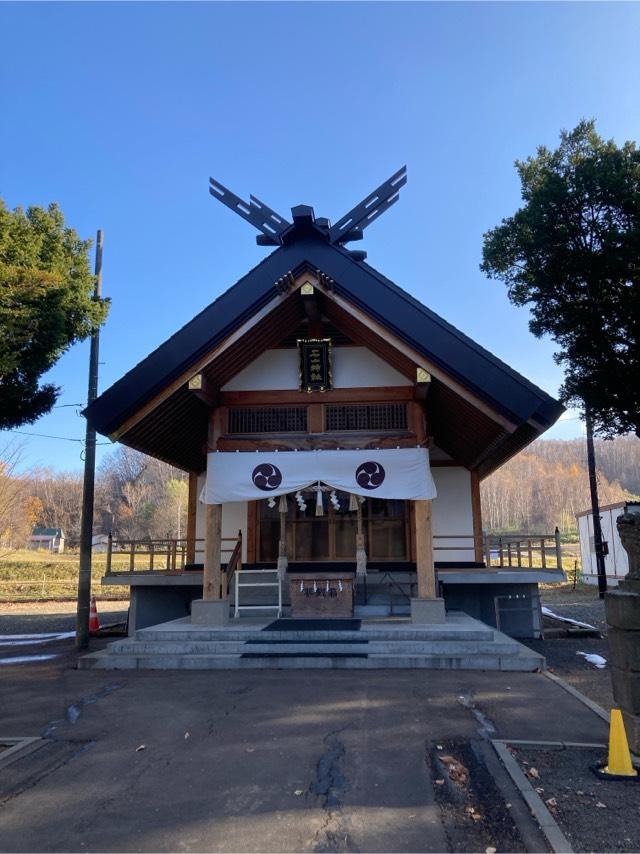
(459, 644)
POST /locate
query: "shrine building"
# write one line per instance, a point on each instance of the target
(335, 432)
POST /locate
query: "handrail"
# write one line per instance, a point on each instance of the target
(516, 551)
(160, 555)
(391, 583)
(235, 562)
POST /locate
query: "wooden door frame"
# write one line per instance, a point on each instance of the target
(253, 534)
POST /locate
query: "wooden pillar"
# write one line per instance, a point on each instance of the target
(361, 554)
(282, 547)
(476, 511)
(211, 576)
(192, 509)
(424, 551)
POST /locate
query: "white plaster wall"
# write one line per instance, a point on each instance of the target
(452, 513)
(234, 519)
(353, 367)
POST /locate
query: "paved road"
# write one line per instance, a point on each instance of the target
(250, 760)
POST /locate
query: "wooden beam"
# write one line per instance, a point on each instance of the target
(252, 531)
(199, 387)
(416, 421)
(476, 512)
(423, 383)
(166, 392)
(371, 394)
(315, 418)
(310, 303)
(217, 426)
(311, 441)
(192, 509)
(425, 569)
(212, 576)
(418, 358)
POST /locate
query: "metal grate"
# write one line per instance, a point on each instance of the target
(387, 416)
(268, 419)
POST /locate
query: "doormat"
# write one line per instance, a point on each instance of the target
(285, 624)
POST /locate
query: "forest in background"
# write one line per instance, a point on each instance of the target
(138, 497)
(547, 484)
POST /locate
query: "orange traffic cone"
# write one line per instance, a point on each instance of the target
(94, 622)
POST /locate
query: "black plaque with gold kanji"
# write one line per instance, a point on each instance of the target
(315, 364)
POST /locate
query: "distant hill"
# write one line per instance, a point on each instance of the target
(547, 484)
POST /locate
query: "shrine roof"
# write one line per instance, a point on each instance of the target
(490, 379)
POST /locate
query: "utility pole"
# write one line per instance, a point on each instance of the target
(86, 524)
(595, 508)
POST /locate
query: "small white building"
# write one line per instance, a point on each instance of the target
(51, 539)
(615, 560)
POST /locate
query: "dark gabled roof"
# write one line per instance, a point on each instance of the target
(46, 532)
(444, 345)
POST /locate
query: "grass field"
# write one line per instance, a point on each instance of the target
(28, 576)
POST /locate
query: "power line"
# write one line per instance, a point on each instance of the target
(47, 436)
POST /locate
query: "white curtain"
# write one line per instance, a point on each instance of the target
(401, 473)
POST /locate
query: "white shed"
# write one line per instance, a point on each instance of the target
(615, 561)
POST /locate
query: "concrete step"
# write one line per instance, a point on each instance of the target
(105, 661)
(460, 643)
(334, 647)
(382, 610)
(184, 632)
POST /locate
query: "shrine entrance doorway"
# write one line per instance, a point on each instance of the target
(332, 535)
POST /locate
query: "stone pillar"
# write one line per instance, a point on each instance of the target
(426, 608)
(213, 608)
(623, 618)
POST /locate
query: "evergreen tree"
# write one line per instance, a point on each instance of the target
(572, 253)
(46, 305)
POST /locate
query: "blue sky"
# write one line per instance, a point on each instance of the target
(121, 111)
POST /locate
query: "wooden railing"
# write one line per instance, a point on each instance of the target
(516, 551)
(541, 551)
(234, 564)
(169, 555)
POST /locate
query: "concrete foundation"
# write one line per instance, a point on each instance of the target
(214, 612)
(427, 611)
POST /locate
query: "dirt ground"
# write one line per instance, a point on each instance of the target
(593, 814)
(29, 617)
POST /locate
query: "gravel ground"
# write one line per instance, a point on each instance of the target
(474, 814)
(593, 814)
(562, 652)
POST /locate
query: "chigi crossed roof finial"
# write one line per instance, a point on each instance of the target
(277, 231)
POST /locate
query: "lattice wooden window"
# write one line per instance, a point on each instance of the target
(382, 416)
(268, 419)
